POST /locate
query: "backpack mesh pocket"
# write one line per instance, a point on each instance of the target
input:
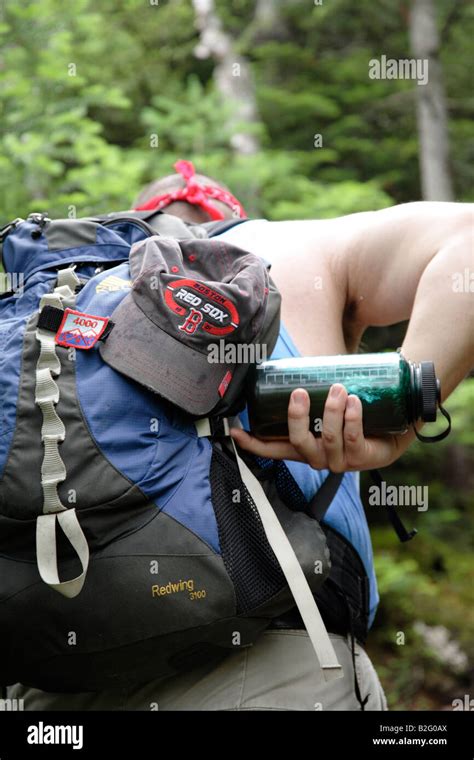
(288, 489)
(247, 555)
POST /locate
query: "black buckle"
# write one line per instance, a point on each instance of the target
(38, 217)
(50, 318)
(217, 427)
(110, 326)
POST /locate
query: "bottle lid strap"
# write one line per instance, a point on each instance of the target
(440, 436)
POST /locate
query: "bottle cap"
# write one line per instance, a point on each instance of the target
(429, 392)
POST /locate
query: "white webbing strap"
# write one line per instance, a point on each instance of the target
(53, 470)
(46, 550)
(290, 566)
(203, 427)
(68, 278)
(47, 358)
(47, 396)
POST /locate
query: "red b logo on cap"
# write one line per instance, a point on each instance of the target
(192, 321)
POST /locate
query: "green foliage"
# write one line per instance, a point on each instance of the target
(171, 120)
(85, 86)
(306, 199)
(430, 578)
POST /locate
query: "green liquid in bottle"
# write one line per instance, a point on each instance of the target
(394, 392)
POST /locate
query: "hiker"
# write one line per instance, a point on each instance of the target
(336, 277)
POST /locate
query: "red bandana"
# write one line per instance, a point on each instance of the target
(196, 194)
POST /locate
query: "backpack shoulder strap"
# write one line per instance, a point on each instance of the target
(287, 560)
(322, 499)
(166, 225)
(144, 216)
(403, 534)
(217, 228)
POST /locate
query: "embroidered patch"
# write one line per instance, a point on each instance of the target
(112, 284)
(80, 330)
(202, 307)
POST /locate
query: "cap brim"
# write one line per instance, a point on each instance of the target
(147, 354)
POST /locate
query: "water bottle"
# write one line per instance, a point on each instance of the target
(395, 393)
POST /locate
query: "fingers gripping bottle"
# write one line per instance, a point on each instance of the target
(394, 392)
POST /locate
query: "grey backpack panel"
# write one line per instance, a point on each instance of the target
(90, 476)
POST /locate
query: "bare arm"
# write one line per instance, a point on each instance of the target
(381, 268)
(408, 265)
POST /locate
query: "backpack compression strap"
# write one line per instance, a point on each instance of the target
(288, 561)
(53, 470)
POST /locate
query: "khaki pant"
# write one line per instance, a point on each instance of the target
(278, 673)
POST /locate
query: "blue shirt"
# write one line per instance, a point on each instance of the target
(346, 513)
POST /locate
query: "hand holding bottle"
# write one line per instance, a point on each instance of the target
(341, 447)
(328, 425)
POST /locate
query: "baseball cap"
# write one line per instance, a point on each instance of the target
(193, 300)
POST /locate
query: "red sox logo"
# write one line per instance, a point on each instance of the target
(202, 307)
(192, 321)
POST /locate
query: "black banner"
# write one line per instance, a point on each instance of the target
(138, 734)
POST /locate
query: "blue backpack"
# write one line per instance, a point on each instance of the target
(157, 549)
